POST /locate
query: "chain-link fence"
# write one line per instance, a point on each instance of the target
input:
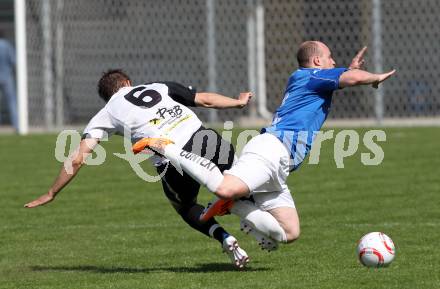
(228, 46)
(405, 39)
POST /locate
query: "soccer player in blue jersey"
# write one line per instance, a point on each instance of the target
(267, 159)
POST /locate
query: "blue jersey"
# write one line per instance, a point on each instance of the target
(304, 109)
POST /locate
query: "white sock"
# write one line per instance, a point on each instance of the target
(259, 219)
(212, 229)
(200, 169)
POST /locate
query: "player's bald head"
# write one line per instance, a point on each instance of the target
(307, 50)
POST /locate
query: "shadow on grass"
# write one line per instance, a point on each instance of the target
(199, 268)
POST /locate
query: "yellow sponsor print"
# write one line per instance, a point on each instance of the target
(155, 121)
(177, 123)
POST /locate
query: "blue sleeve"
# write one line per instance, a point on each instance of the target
(325, 80)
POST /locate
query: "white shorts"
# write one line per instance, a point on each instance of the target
(264, 166)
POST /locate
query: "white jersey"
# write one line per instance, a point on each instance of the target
(150, 110)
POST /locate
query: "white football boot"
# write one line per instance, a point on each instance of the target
(237, 255)
(265, 242)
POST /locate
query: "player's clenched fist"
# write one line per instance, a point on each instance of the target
(244, 98)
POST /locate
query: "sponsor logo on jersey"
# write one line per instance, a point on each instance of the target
(155, 121)
(177, 123)
(198, 160)
(174, 112)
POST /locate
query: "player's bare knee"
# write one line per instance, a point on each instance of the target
(224, 193)
(292, 234)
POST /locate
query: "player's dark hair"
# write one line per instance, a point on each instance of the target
(307, 50)
(110, 82)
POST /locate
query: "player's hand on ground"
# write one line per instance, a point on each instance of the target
(44, 199)
(244, 98)
(382, 77)
(358, 61)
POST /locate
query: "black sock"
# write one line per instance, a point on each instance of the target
(210, 228)
(220, 234)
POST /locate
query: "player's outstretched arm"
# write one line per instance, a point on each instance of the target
(361, 77)
(67, 173)
(215, 100)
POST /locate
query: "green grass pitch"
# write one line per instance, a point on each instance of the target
(110, 229)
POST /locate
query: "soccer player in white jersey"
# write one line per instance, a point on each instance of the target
(267, 159)
(160, 109)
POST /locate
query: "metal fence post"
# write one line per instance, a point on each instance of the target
(377, 57)
(47, 64)
(251, 58)
(21, 55)
(211, 54)
(59, 67)
(261, 61)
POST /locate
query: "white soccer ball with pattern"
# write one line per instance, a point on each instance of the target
(375, 250)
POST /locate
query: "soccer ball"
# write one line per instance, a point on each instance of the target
(375, 250)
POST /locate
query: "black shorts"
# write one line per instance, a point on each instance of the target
(182, 190)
